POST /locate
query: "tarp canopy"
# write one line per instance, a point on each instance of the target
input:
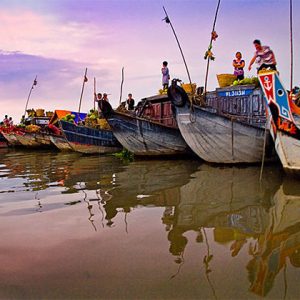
(59, 114)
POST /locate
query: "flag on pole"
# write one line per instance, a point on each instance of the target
(85, 79)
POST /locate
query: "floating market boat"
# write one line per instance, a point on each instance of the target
(150, 130)
(34, 134)
(226, 126)
(285, 121)
(88, 140)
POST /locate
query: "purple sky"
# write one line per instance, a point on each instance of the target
(57, 39)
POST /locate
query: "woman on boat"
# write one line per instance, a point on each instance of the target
(238, 64)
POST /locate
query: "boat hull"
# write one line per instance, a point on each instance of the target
(3, 141)
(60, 142)
(288, 150)
(225, 126)
(145, 138)
(285, 121)
(11, 138)
(218, 139)
(89, 140)
(34, 140)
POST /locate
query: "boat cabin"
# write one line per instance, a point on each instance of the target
(244, 103)
(158, 109)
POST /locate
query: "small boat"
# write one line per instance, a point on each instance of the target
(285, 121)
(226, 126)
(88, 140)
(150, 130)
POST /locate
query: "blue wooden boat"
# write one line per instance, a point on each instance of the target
(285, 121)
(150, 130)
(89, 140)
(226, 126)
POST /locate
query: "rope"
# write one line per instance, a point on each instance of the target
(264, 153)
(210, 46)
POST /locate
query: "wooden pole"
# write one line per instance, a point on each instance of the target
(210, 45)
(95, 96)
(121, 85)
(33, 84)
(167, 19)
(84, 81)
(291, 41)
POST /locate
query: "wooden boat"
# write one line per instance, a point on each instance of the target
(285, 121)
(150, 130)
(89, 140)
(227, 127)
(37, 138)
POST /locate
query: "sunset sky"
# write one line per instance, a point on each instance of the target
(56, 40)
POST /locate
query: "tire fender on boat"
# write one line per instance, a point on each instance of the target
(177, 95)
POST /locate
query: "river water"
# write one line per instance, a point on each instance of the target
(96, 227)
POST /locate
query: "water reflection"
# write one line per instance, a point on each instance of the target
(279, 243)
(262, 217)
(207, 216)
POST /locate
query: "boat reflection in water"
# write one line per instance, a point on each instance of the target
(263, 219)
(216, 232)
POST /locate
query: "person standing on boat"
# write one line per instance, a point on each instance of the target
(238, 64)
(263, 56)
(130, 102)
(105, 97)
(6, 120)
(165, 75)
(10, 122)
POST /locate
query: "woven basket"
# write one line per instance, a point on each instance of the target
(189, 88)
(49, 114)
(225, 79)
(40, 112)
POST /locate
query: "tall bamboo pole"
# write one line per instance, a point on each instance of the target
(121, 90)
(210, 45)
(33, 84)
(84, 81)
(291, 42)
(167, 19)
(95, 96)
